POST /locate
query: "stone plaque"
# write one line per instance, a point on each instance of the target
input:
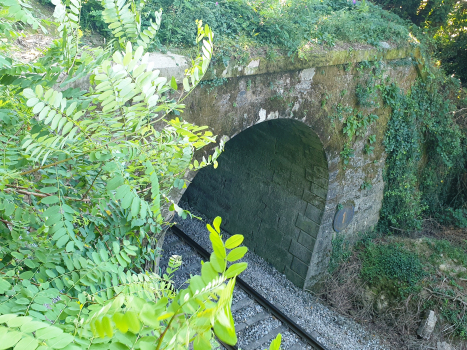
(343, 218)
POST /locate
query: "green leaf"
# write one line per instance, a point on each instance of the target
(107, 326)
(4, 286)
(224, 327)
(49, 189)
(217, 263)
(217, 244)
(33, 326)
(116, 247)
(234, 241)
(37, 108)
(32, 102)
(67, 128)
(39, 91)
(237, 254)
(138, 53)
(7, 317)
(99, 328)
(28, 93)
(132, 321)
(186, 85)
(217, 224)
(201, 342)
(235, 269)
(27, 343)
(10, 339)
(71, 245)
(276, 343)
(120, 322)
(173, 84)
(135, 206)
(18, 321)
(122, 191)
(115, 182)
(62, 241)
(208, 273)
(127, 200)
(50, 200)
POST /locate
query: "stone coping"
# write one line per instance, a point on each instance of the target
(174, 65)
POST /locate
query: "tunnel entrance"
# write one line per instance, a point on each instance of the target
(271, 186)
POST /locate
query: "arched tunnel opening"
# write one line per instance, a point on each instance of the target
(270, 186)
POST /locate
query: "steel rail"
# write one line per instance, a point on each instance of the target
(294, 327)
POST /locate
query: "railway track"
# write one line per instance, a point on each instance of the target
(257, 321)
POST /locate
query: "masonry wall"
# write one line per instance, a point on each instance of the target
(311, 96)
(270, 186)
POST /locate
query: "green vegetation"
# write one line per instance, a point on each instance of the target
(391, 266)
(244, 26)
(86, 176)
(392, 281)
(426, 154)
(86, 179)
(445, 22)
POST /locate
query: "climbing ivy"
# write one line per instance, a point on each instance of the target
(426, 153)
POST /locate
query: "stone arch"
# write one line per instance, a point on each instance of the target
(271, 185)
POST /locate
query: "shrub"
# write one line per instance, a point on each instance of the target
(392, 266)
(85, 183)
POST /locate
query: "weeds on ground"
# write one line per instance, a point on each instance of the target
(393, 281)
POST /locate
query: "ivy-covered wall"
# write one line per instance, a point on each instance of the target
(340, 103)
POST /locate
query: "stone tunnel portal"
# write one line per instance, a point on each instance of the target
(271, 186)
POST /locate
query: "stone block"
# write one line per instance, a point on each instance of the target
(427, 326)
(285, 243)
(294, 277)
(307, 225)
(313, 213)
(297, 183)
(273, 237)
(300, 251)
(321, 182)
(443, 346)
(296, 233)
(273, 254)
(333, 175)
(313, 199)
(300, 206)
(286, 225)
(310, 174)
(328, 217)
(299, 267)
(286, 260)
(319, 191)
(269, 215)
(321, 172)
(306, 240)
(281, 177)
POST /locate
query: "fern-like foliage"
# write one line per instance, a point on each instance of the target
(85, 185)
(125, 22)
